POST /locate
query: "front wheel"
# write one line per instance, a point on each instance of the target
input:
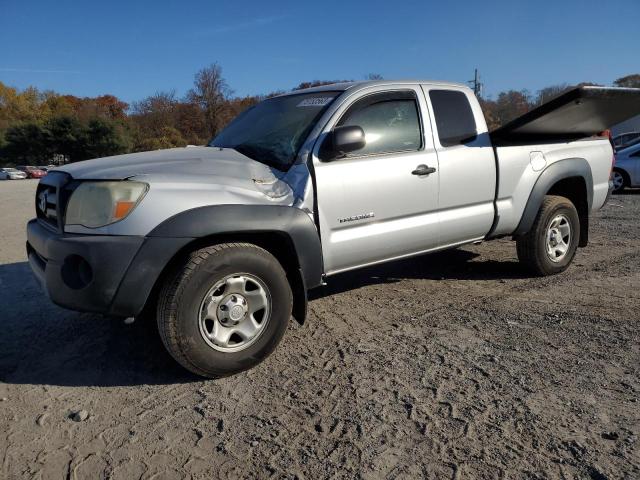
(225, 310)
(551, 243)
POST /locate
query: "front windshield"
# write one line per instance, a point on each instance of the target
(273, 131)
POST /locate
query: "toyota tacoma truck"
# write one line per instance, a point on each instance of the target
(221, 243)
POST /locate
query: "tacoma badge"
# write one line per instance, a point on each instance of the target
(362, 216)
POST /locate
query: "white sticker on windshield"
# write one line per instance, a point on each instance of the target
(315, 102)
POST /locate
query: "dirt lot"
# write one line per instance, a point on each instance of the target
(455, 365)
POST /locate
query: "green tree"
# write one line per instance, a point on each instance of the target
(68, 137)
(28, 143)
(102, 139)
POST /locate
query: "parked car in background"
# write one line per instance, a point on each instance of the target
(9, 173)
(626, 173)
(45, 168)
(625, 140)
(31, 171)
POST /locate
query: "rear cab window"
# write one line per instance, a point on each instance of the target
(454, 118)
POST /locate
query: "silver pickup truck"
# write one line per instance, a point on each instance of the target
(221, 243)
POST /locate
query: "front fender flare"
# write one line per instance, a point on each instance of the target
(560, 170)
(229, 219)
(175, 234)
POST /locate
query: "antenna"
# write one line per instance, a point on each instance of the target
(476, 84)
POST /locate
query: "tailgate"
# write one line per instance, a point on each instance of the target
(578, 113)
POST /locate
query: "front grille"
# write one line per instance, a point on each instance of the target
(52, 194)
(47, 204)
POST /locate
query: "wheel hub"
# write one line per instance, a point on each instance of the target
(555, 237)
(232, 309)
(558, 238)
(235, 312)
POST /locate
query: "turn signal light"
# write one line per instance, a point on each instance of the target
(122, 209)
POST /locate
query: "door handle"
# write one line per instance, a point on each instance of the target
(423, 170)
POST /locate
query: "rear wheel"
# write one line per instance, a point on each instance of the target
(620, 180)
(225, 310)
(551, 243)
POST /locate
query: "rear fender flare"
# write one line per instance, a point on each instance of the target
(560, 170)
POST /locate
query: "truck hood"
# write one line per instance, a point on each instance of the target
(180, 162)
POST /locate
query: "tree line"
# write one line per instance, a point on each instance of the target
(36, 126)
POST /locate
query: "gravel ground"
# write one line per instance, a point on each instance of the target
(454, 365)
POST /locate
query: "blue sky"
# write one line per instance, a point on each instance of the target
(135, 48)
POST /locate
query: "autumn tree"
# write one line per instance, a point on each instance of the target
(318, 83)
(155, 111)
(211, 93)
(163, 121)
(549, 93)
(489, 111)
(16, 107)
(512, 104)
(630, 81)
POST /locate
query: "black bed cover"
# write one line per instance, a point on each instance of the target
(578, 113)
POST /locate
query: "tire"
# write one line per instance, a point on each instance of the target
(198, 302)
(547, 233)
(620, 180)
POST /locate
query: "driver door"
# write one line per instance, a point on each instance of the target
(379, 202)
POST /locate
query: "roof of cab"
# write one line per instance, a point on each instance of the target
(373, 83)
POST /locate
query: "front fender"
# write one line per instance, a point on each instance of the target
(174, 234)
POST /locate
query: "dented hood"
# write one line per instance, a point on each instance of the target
(197, 161)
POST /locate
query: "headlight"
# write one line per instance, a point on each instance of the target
(96, 204)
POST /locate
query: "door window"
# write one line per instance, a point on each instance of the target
(390, 121)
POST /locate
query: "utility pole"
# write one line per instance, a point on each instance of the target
(476, 84)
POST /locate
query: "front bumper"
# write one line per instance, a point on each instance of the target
(80, 272)
(113, 275)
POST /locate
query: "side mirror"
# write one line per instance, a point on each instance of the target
(341, 141)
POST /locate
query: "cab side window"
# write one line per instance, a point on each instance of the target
(390, 121)
(454, 118)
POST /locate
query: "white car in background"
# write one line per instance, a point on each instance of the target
(11, 174)
(626, 173)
